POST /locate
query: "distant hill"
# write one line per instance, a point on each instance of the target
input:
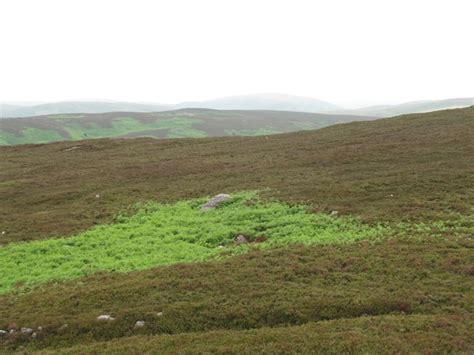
(267, 102)
(279, 102)
(411, 107)
(169, 124)
(10, 110)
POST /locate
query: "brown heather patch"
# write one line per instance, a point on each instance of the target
(272, 288)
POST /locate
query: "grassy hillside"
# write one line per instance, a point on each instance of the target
(391, 272)
(171, 124)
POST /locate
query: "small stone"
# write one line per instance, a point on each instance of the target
(34, 335)
(3, 232)
(3, 332)
(159, 314)
(215, 201)
(62, 328)
(240, 239)
(25, 330)
(12, 331)
(97, 196)
(40, 329)
(105, 318)
(334, 213)
(139, 324)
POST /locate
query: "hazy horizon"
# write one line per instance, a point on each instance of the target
(345, 105)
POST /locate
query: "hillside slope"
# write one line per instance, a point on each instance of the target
(376, 287)
(169, 124)
(410, 167)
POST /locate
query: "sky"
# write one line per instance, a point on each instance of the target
(347, 52)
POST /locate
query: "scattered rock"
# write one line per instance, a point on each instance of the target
(40, 329)
(25, 330)
(240, 239)
(215, 201)
(139, 324)
(97, 196)
(105, 318)
(334, 213)
(3, 232)
(72, 148)
(34, 335)
(3, 332)
(159, 314)
(12, 331)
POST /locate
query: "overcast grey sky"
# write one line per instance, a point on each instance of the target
(365, 51)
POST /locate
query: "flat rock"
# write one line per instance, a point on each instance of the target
(215, 201)
(105, 318)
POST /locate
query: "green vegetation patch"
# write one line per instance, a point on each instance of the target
(185, 132)
(30, 135)
(163, 234)
(125, 125)
(253, 132)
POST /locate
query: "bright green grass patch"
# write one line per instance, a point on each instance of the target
(126, 125)
(30, 135)
(179, 127)
(162, 234)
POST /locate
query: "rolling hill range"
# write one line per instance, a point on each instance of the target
(170, 124)
(412, 107)
(273, 102)
(267, 102)
(359, 241)
(10, 110)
